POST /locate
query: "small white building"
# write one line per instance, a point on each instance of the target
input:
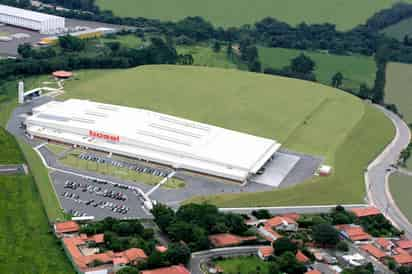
(42, 22)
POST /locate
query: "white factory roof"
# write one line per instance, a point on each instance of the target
(154, 136)
(28, 14)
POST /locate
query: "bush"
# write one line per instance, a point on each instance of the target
(283, 245)
(342, 246)
(261, 214)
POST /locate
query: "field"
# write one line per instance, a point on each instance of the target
(72, 160)
(355, 69)
(399, 30)
(243, 265)
(401, 189)
(346, 14)
(397, 91)
(130, 41)
(205, 56)
(10, 153)
(304, 116)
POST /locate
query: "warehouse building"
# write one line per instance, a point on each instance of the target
(42, 22)
(152, 136)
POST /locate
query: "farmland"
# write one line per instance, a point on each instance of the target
(355, 69)
(401, 187)
(345, 14)
(261, 105)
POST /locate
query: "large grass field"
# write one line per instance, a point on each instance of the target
(398, 88)
(304, 116)
(205, 56)
(243, 265)
(346, 14)
(399, 30)
(401, 188)
(355, 69)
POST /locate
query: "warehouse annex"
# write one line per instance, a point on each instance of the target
(152, 136)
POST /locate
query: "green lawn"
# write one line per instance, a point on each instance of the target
(243, 265)
(72, 160)
(56, 149)
(205, 56)
(10, 152)
(401, 188)
(26, 244)
(346, 14)
(399, 30)
(398, 88)
(130, 41)
(355, 69)
(304, 116)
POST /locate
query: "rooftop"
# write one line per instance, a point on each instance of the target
(32, 15)
(175, 269)
(66, 227)
(301, 257)
(384, 243)
(354, 233)
(280, 220)
(374, 251)
(227, 239)
(404, 244)
(266, 251)
(403, 259)
(314, 271)
(366, 211)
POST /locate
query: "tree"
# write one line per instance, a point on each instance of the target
(365, 92)
(342, 246)
(273, 268)
(289, 264)
(229, 50)
(216, 46)
(71, 43)
(261, 214)
(178, 253)
(113, 46)
(25, 50)
(255, 66)
(337, 80)
(283, 245)
(302, 64)
(325, 234)
(128, 270)
(164, 216)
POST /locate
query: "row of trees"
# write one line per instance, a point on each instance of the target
(193, 223)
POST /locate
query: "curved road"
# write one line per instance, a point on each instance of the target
(378, 172)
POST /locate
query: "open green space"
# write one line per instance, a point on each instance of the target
(56, 149)
(26, 244)
(10, 152)
(243, 265)
(355, 69)
(398, 88)
(346, 14)
(399, 30)
(130, 41)
(304, 116)
(205, 56)
(72, 159)
(400, 186)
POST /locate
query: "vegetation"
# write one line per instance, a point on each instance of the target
(378, 226)
(261, 214)
(10, 152)
(231, 13)
(283, 245)
(398, 82)
(72, 159)
(206, 56)
(193, 223)
(400, 186)
(325, 234)
(400, 30)
(355, 69)
(243, 265)
(56, 149)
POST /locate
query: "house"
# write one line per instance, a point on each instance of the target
(175, 269)
(302, 257)
(353, 232)
(84, 257)
(161, 248)
(265, 252)
(403, 259)
(269, 233)
(66, 228)
(366, 211)
(384, 244)
(227, 239)
(282, 223)
(314, 271)
(374, 251)
(405, 244)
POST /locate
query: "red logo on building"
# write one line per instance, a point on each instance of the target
(107, 137)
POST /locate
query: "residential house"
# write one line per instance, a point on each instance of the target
(62, 228)
(384, 244)
(353, 232)
(175, 269)
(366, 211)
(374, 251)
(227, 239)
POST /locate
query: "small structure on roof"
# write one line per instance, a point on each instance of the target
(62, 74)
(324, 170)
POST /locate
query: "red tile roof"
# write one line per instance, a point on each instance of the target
(301, 257)
(404, 244)
(384, 243)
(161, 248)
(374, 251)
(293, 216)
(279, 220)
(97, 238)
(227, 239)
(134, 254)
(365, 211)
(354, 233)
(399, 250)
(266, 251)
(403, 259)
(175, 269)
(66, 227)
(313, 272)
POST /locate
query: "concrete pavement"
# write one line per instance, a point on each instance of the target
(377, 174)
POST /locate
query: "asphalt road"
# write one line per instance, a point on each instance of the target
(378, 172)
(200, 257)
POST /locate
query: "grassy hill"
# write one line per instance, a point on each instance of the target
(399, 30)
(304, 116)
(401, 186)
(355, 69)
(346, 14)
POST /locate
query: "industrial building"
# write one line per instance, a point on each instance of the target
(152, 136)
(42, 22)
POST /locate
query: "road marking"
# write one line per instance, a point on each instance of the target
(163, 181)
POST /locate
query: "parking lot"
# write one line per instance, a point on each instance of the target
(89, 197)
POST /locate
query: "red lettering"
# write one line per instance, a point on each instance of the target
(113, 138)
